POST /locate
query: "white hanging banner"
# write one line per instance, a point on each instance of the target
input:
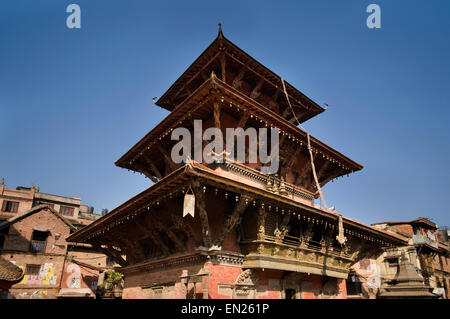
(189, 204)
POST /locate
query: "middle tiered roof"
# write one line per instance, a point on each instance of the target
(151, 155)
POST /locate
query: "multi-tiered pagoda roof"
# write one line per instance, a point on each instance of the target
(243, 217)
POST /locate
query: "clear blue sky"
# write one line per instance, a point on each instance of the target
(73, 101)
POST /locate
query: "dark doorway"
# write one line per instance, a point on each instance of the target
(290, 293)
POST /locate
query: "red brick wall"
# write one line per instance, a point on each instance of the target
(17, 248)
(24, 197)
(134, 281)
(342, 288)
(266, 279)
(20, 233)
(221, 274)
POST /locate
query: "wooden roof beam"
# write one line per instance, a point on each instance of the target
(248, 67)
(330, 177)
(111, 253)
(234, 219)
(154, 237)
(256, 92)
(134, 246)
(216, 114)
(223, 64)
(167, 158)
(322, 169)
(196, 74)
(237, 82)
(152, 165)
(304, 171)
(290, 161)
(273, 105)
(244, 118)
(163, 228)
(184, 226)
(146, 172)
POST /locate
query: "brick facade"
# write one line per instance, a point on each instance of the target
(53, 266)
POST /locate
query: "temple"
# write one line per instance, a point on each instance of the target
(252, 235)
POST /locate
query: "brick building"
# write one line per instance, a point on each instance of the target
(430, 255)
(21, 199)
(425, 251)
(33, 231)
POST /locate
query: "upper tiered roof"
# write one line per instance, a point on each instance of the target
(237, 68)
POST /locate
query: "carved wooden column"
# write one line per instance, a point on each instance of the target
(200, 203)
(261, 223)
(307, 235)
(283, 229)
(326, 241)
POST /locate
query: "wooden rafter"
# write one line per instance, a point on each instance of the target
(194, 76)
(238, 79)
(217, 108)
(184, 226)
(145, 171)
(290, 161)
(130, 242)
(306, 168)
(111, 253)
(273, 105)
(154, 237)
(244, 118)
(261, 76)
(331, 175)
(166, 230)
(152, 165)
(167, 158)
(298, 116)
(234, 219)
(322, 170)
(286, 112)
(223, 68)
(257, 89)
(134, 246)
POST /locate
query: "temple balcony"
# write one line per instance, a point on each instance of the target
(309, 258)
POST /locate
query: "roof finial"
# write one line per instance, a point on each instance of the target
(220, 29)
